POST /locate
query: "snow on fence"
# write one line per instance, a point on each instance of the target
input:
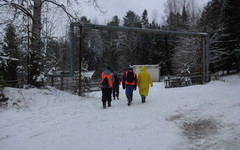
(153, 70)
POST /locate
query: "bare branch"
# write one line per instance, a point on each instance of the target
(63, 8)
(1, 5)
(19, 7)
(96, 5)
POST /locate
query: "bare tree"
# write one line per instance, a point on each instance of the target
(33, 9)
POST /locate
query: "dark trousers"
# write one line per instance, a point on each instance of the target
(116, 92)
(106, 96)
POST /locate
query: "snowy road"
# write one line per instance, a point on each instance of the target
(195, 117)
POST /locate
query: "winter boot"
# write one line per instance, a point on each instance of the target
(104, 104)
(117, 96)
(129, 100)
(143, 98)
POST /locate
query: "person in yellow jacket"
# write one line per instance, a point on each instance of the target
(143, 82)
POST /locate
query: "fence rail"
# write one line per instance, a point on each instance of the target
(180, 81)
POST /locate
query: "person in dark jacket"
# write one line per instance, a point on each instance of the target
(130, 83)
(106, 86)
(116, 83)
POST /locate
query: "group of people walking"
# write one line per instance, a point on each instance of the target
(110, 83)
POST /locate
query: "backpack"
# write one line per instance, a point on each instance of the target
(105, 82)
(130, 77)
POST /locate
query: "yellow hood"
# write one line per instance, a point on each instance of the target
(143, 68)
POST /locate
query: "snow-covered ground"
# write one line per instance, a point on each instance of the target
(200, 117)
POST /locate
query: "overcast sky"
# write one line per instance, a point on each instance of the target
(120, 7)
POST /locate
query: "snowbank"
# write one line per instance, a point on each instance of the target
(194, 117)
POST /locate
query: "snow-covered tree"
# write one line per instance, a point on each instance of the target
(183, 17)
(131, 39)
(89, 55)
(3, 62)
(34, 10)
(220, 19)
(231, 15)
(144, 20)
(11, 51)
(110, 50)
(144, 51)
(160, 50)
(114, 22)
(132, 20)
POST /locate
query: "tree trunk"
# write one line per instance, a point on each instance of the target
(36, 27)
(36, 45)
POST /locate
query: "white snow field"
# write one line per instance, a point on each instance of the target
(199, 117)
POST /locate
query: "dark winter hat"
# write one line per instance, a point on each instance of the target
(108, 67)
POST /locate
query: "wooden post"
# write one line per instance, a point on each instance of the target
(201, 60)
(62, 85)
(52, 80)
(80, 63)
(28, 57)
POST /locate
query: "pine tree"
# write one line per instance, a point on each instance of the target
(173, 21)
(63, 53)
(221, 20)
(111, 42)
(159, 49)
(115, 21)
(144, 20)
(232, 29)
(3, 63)
(131, 49)
(88, 55)
(145, 51)
(53, 56)
(132, 20)
(185, 51)
(11, 52)
(184, 25)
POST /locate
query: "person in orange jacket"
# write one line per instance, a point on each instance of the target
(130, 83)
(144, 80)
(106, 86)
(116, 83)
